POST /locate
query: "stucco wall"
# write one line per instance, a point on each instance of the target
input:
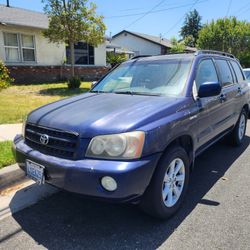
(46, 53)
(138, 45)
(100, 55)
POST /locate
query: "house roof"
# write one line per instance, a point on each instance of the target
(23, 17)
(154, 39)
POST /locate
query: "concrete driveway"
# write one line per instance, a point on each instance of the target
(215, 215)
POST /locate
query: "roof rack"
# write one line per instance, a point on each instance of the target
(181, 52)
(141, 56)
(200, 52)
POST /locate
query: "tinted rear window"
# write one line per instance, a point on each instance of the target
(237, 71)
(247, 74)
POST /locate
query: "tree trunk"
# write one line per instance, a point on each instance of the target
(72, 58)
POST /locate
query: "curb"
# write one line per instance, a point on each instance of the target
(11, 175)
(22, 196)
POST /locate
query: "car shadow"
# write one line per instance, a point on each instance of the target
(69, 221)
(65, 92)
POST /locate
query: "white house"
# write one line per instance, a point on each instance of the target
(29, 55)
(143, 44)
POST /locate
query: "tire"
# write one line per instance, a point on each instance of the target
(161, 185)
(237, 136)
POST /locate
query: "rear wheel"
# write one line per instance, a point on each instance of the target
(238, 134)
(167, 189)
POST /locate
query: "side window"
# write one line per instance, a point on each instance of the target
(247, 74)
(237, 71)
(232, 72)
(225, 72)
(206, 73)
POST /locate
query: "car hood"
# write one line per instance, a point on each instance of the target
(91, 114)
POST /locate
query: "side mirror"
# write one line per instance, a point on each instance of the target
(208, 89)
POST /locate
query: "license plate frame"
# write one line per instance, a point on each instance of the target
(35, 172)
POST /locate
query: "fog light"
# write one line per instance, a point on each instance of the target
(109, 183)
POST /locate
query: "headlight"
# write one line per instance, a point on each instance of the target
(117, 146)
(23, 127)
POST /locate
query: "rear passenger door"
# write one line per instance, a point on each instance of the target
(227, 113)
(241, 84)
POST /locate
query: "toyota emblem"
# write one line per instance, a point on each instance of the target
(44, 139)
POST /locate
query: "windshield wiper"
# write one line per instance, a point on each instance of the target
(98, 91)
(128, 92)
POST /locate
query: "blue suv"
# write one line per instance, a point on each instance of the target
(135, 136)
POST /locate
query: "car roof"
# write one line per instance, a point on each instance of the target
(163, 57)
(200, 53)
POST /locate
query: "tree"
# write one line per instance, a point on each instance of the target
(191, 27)
(177, 46)
(72, 21)
(229, 35)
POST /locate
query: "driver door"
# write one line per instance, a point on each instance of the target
(210, 108)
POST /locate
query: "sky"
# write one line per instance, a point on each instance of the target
(155, 17)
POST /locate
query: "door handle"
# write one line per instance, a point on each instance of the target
(223, 97)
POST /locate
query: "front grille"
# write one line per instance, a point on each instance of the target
(61, 143)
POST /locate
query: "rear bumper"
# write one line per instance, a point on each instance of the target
(83, 176)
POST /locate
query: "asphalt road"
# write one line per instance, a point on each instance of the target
(215, 215)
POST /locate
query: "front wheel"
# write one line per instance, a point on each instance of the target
(238, 134)
(168, 186)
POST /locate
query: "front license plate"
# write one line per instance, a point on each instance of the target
(35, 171)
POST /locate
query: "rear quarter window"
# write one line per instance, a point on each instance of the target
(247, 74)
(238, 71)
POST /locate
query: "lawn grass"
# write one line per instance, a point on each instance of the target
(18, 100)
(6, 156)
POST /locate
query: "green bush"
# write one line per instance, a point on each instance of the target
(114, 59)
(5, 78)
(74, 83)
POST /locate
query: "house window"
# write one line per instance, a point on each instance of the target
(11, 47)
(28, 48)
(19, 47)
(84, 54)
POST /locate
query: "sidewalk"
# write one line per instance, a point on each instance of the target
(17, 191)
(9, 131)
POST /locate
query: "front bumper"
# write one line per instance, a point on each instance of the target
(83, 176)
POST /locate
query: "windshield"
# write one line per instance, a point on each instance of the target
(247, 74)
(162, 77)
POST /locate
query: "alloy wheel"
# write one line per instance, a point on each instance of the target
(242, 126)
(173, 182)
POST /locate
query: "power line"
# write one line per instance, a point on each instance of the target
(148, 12)
(229, 7)
(182, 17)
(130, 9)
(155, 11)
(243, 8)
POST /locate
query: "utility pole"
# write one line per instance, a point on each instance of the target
(8, 3)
